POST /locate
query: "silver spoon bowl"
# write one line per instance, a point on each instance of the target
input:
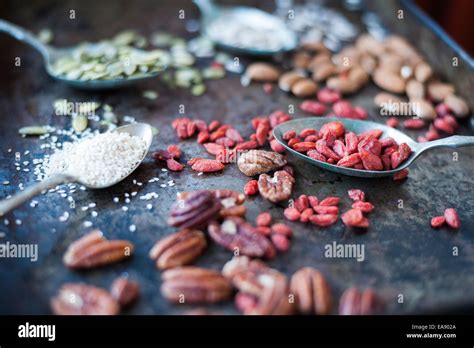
(142, 130)
(52, 54)
(259, 19)
(357, 127)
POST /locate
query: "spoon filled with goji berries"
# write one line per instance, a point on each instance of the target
(356, 148)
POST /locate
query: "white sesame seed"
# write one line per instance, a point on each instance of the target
(149, 206)
(18, 221)
(6, 222)
(127, 200)
(87, 224)
(116, 199)
(124, 208)
(6, 183)
(163, 185)
(84, 208)
(164, 169)
(94, 213)
(134, 193)
(92, 205)
(132, 228)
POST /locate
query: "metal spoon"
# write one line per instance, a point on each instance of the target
(357, 127)
(52, 54)
(141, 130)
(259, 19)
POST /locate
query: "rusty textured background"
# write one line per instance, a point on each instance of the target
(403, 254)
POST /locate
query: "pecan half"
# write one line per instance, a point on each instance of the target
(356, 302)
(232, 202)
(194, 209)
(312, 291)
(195, 285)
(94, 250)
(237, 235)
(82, 299)
(178, 249)
(278, 188)
(124, 291)
(256, 162)
(266, 286)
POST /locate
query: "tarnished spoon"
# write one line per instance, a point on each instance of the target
(257, 19)
(141, 130)
(52, 54)
(357, 127)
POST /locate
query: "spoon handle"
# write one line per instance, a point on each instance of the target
(452, 141)
(24, 35)
(8, 204)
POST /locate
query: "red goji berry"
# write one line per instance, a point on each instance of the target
(352, 217)
(316, 155)
(301, 203)
(207, 166)
(174, 151)
(349, 161)
(326, 209)
(330, 201)
(174, 165)
(336, 127)
(307, 132)
(323, 220)
(442, 109)
(200, 125)
(264, 230)
(392, 122)
(328, 96)
(226, 142)
(293, 141)
(351, 142)
(251, 188)
(313, 201)
(213, 148)
(280, 242)
(292, 214)
(276, 146)
(282, 229)
(234, 134)
(437, 221)
(213, 125)
(365, 207)
(323, 149)
(401, 175)
(246, 145)
(356, 195)
(263, 219)
(443, 125)
(304, 146)
(203, 136)
(452, 218)
(400, 155)
(289, 135)
(313, 107)
(414, 123)
(305, 214)
(371, 161)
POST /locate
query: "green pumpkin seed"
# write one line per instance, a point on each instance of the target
(213, 73)
(198, 90)
(152, 95)
(79, 123)
(34, 130)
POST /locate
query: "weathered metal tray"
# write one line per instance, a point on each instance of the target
(403, 255)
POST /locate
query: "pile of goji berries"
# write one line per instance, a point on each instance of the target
(365, 151)
(310, 209)
(222, 141)
(280, 234)
(355, 216)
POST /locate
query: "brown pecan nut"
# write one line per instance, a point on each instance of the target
(124, 291)
(82, 299)
(194, 209)
(239, 236)
(256, 162)
(195, 285)
(278, 188)
(267, 286)
(232, 202)
(94, 250)
(178, 249)
(312, 291)
(356, 302)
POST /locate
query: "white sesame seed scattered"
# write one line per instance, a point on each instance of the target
(92, 205)
(9, 150)
(134, 182)
(149, 206)
(94, 213)
(82, 188)
(26, 170)
(139, 184)
(132, 228)
(127, 194)
(18, 221)
(6, 183)
(63, 195)
(200, 173)
(27, 152)
(6, 222)
(87, 224)
(33, 203)
(134, 193)
(84, 208)
(127, 200)
(21, 186)
(163, 185)
(124, 208)
(116, 199)
(2, 234)
(164, 169)
(64, 217)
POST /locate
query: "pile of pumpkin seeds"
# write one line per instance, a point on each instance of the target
(113, 59)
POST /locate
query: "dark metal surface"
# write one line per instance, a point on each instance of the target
(403, 255)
